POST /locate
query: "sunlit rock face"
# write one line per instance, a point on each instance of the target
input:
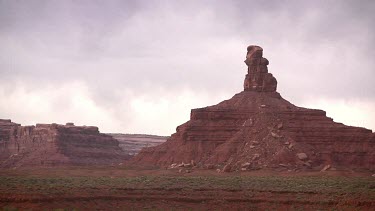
(54, 144)
(257, 128)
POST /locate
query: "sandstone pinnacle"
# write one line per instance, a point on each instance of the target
(257, 77)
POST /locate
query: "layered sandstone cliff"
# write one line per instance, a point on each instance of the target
(257, 128)
(54, 144)
(6, 126)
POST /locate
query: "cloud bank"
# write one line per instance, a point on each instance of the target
(140, 66)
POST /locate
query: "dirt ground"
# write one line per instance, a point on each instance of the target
(127, 188)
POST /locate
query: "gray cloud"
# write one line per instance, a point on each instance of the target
(122, 50)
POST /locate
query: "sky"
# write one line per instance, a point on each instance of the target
(141, 66)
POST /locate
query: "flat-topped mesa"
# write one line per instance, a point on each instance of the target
(70, 128)
(257, 77)
(55, 144)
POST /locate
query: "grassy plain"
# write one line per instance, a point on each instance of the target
(110, 188)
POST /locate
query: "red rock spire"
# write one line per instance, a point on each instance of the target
(258, 78)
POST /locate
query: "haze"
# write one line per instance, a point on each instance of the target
(140, 66)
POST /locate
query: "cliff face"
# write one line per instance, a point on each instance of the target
(53, 144)
(257, 128)
(6, 126)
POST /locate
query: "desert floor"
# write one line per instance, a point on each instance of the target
(129, 188)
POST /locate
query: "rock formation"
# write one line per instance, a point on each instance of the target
(131, 144)
(257, 128)
(257, 77)
(54, 144)
(6, 126)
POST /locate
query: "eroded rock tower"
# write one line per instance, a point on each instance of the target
(258, 78)
(257, 129)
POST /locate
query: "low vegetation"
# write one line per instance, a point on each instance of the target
(307, 184)
(158, 189)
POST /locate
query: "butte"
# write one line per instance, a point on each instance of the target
(56, 145)
(258, 129)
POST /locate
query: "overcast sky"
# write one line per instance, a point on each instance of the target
(140, 66)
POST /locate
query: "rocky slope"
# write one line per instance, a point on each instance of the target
(257, 128)
(53, 144)
(131, 144)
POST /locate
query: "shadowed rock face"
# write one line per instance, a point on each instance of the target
(257, 128)
(53, 144)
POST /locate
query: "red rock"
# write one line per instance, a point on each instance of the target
(326, 168)
(245, 165)
(224, 133)
(227, 168)
(53, 144)
(258, 78)
(210, 166)
(302, 156)
(6, 126)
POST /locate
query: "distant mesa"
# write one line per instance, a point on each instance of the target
(131, 144)
(258, 129)
(54, 145)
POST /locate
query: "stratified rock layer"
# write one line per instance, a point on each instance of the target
(257, 128)
(53, 144)
(6, 126)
